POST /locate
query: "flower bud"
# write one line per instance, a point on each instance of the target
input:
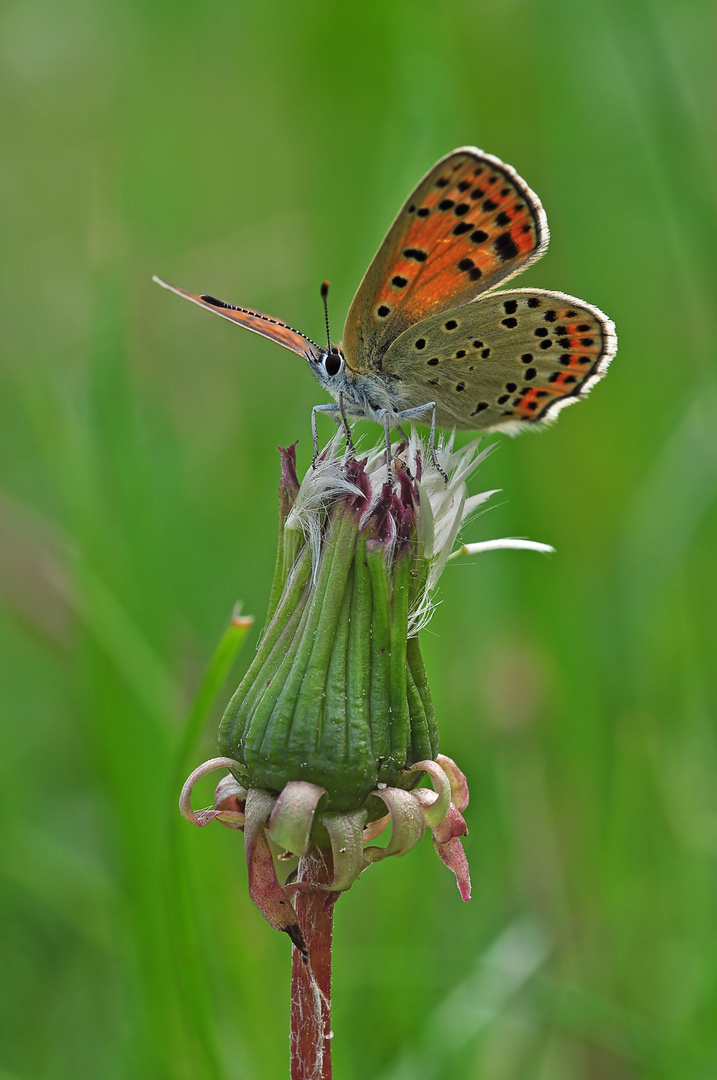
(333, 725)
(337, 693)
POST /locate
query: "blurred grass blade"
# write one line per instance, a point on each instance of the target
(122, 640)
(472, 1006)
(190, 970)
(668, 508)
(213, 679)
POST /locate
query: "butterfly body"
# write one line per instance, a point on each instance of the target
(426, 332)
(363, 394)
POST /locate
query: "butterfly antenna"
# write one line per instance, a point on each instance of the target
(324, 297)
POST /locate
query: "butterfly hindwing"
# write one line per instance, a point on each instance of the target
(265, 325)
(513, 357)
(471, 223)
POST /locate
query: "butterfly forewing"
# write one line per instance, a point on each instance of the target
(265, 325)
(509, 358)
(470, 224)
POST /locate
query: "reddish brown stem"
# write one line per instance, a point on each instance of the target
(311, 980)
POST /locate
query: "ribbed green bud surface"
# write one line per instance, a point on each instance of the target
(337, 692)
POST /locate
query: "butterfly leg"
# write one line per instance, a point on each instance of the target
(413, 414)
(347, 429)
(386, 417)
(314, 433)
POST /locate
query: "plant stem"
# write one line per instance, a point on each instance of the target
(311, 982)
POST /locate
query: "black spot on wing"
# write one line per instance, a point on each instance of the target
(467, 266)
(505, 247)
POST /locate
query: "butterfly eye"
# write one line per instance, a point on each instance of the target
(333, 363)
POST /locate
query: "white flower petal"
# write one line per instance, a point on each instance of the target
(474, 501)
(496, 545)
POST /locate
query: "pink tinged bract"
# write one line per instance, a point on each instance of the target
(447, 826)
(264, 887)
(230, 799)
(293, 815)
(457, 779)
(450, 850)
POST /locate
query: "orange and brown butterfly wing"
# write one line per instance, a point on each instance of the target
(512, 358)
(471, 223)
(252, 320)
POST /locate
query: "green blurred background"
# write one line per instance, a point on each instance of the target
(251, 149)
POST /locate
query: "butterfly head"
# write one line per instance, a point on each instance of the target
(329, 364)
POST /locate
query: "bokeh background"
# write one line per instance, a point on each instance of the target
(251, 149)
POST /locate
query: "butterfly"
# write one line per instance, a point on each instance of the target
(428, 336)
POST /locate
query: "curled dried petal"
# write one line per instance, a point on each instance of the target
(346, 833)
(459, 784)
(437, 808)
(203, 817)
(375, 828)
(407, 824)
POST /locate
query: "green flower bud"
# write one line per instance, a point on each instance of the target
(337, 692)
(333, 727)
